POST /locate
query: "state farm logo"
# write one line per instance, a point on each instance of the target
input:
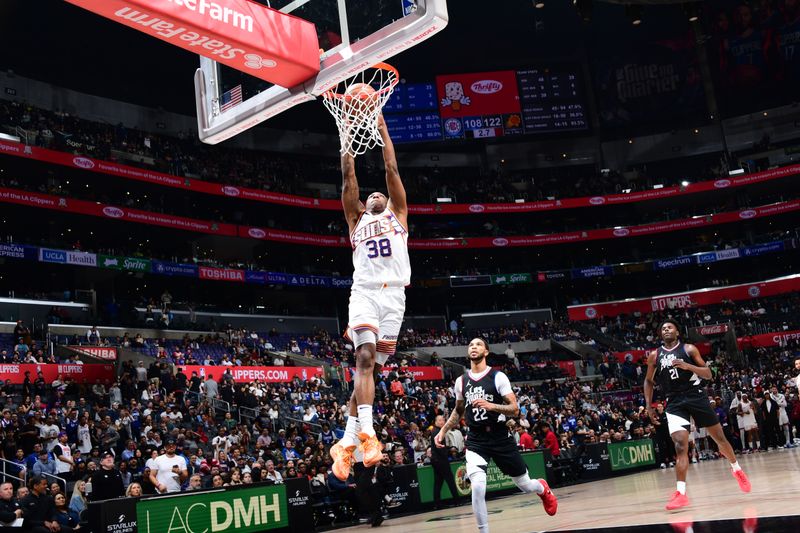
(477, 208)
(257, 233)
(622, 232)
(753, 291)
(231, 191)
(591, 312)
(487, 86)
(82, 162)
(255, 61)
(500, 241)
(721, 184)
(749, 213)
(113, 212)
(597, 200)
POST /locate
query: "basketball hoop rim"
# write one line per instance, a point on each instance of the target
(395, 79)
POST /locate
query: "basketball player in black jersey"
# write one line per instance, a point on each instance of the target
(679, 371)
(485, 395)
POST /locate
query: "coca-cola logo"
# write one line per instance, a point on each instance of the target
(622, 232)
(257, 233)
(231, 191)
(113, 212)
(748, 213)
(500, 241)
(721, 184)
(83, 162)
(597, 200)
(487, 87)
(591, 312)
(477, 208)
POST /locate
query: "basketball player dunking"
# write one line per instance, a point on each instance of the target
(679, 371)
(485, 395)
(381, 271)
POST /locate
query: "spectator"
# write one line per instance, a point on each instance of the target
(107, 481)
(169, 471)
(10, 509)
(550, 440)
(78, 502)
(66, 517)
(93, 336)
(44, 465)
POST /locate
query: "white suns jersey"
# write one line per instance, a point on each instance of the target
(380, 252)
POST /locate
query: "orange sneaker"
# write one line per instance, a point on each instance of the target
(342, 461)
(677, 501)
(549, 499)
(372, 449)
(741, 477)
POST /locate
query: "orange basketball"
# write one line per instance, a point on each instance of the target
(360, 98)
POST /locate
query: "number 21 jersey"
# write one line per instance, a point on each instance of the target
(380, 252)
(675, 381)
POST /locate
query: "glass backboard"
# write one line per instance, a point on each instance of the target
(353, 35)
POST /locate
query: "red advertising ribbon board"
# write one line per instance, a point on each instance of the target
(218, 189)
(81, 373)
(745, 291)
(420, 373)
(247, 374)
(243, 35)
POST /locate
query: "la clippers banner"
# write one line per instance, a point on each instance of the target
(420, 373)
(89, 372)
(766, 340)
(218, 189)
(106, 353)
(82, 207)
(266, 374)
(243, 35)
(745, 291)
(294, 237)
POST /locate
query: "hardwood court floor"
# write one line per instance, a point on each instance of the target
(636, 499)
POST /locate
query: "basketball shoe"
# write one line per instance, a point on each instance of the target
(549, 499)
(372, 448)
(677, 501)
(741, 477)
(342, 460)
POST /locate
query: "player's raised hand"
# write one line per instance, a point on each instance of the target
(481, 403)
(680, 363)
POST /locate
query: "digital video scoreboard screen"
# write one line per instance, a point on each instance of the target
(488, 104)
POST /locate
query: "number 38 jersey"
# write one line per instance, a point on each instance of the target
(490, 385)
(675, 381)
(380, 252)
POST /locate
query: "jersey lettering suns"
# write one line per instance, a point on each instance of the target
(380, 251)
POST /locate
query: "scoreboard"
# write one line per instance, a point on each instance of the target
(488, 104)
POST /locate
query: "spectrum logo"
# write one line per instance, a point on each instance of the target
(83, 162)
(113, 212)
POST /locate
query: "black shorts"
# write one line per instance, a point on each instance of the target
(503, 452)
(681, 409)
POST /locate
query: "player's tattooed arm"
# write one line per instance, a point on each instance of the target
(455, 417)
(510, 408)
(350, 201)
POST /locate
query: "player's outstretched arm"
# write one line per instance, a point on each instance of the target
(350, 201)
(397, 193)
(452, 422)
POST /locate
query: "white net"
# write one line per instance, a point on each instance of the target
(355, 105)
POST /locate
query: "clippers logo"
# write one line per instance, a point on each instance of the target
(597, 200)
(453, 127)
(721, 184)
(477, 208)
(231, 191)
(257, 233)
(487, 87)
(622, 232)
(753, 291)
(83, 162)
(591, 312)
(113, 212)
(500, 241)
(256, 62)
(749, 213)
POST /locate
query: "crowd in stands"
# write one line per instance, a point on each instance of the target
(186, 156)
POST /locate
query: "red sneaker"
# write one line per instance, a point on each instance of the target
(741, 477)
(549, 499)
(677, 501)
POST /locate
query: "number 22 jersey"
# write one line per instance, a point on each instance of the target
(380, 252)
(490, 385)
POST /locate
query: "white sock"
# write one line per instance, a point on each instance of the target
(350, 432)
(682, 487)
(736, 466)
(787, 434)
(528, 485)
(478, 483)
(758, 445)
(365, 419)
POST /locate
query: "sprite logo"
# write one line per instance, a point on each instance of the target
(243, 511)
